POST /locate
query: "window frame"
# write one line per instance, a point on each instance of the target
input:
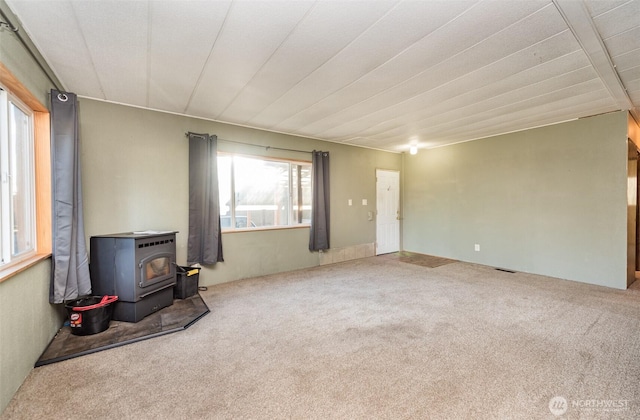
(42, 175)
(292, 213)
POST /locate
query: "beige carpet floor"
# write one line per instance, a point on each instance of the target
(419, 259)
(369, 338)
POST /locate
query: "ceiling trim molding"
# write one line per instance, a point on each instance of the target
(249, 127)
(578, 18)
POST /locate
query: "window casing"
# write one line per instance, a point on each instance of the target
(17, 180)
(41, 205)
(263, 193)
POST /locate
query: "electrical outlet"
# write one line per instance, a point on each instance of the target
(364, 201)
(350, 202)
(477, 247)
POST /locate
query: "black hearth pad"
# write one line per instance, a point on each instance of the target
(179, 316)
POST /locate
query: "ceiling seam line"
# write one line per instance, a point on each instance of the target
(325, 62)
(632, 52)
(375, 68)
(419, 122)
(149, 43)
(307, 13)
(612, 9)
(546, 105)
(524, 119)
(423, 71)
(619, 34)
(464, 75)
(206, 62)
(454, 80)
(423, 120)
(86, 46)
(503, 133)
(457, 122)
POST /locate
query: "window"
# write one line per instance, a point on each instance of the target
(261, 193)
(25, 177)
(17, 180)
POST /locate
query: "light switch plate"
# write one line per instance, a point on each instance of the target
(364, 201)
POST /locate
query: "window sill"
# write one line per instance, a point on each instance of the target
(262, 229)
(13, 269)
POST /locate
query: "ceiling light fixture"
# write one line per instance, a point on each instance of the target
(413, 149)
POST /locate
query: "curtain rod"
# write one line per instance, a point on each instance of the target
(255, 145)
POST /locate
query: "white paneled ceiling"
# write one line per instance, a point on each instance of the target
(379, 74)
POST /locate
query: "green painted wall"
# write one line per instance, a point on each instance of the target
(27, 320)
(27, 324)
(135, 177)
(549, 201)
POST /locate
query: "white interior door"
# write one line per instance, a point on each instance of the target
(388, 211)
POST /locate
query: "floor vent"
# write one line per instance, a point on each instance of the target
(505, 270)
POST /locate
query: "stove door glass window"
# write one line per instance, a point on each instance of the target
(157, 267)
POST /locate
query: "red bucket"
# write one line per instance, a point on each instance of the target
(90, 315)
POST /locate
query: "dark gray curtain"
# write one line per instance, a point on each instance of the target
(205, 242)
(319, 236)
(70, 271)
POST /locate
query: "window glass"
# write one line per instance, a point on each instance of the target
(21, 181)
(17, 180)
(301, 176)
(157, 267)
(257, 192)
(224, 187)
(262, 193)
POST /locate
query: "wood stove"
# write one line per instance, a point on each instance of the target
(138, 267)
